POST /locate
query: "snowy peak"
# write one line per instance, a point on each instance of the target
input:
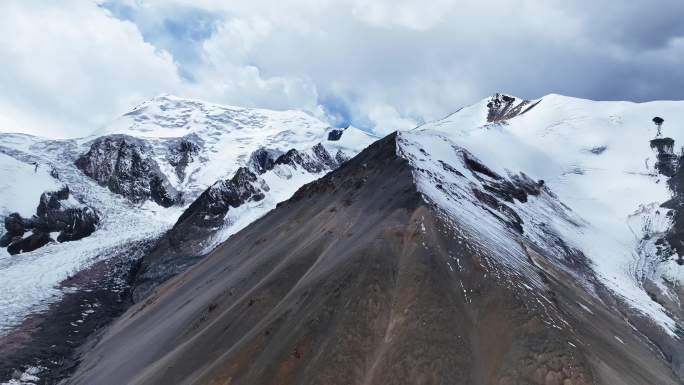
(170, 116)
(597, 157)
(496, 109)
(141, 172)
(196, 143)
(502, 107)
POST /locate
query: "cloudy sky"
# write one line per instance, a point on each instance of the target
(69, 67)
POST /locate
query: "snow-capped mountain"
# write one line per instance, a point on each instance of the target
(139, 174)
(210, 134)
(513, 242)
(597, 159)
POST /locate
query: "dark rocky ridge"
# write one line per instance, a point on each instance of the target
(502, 107)
(497, 189)
(348, 283)
(263, 160)
(55, 213)
(318, 161)
(666, 159)
(124, 165)
(671, 166)
(675, 236)
(183, 245)
(182, 152)
(335, 135)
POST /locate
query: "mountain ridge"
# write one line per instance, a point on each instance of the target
(535, 189)
(358, 278)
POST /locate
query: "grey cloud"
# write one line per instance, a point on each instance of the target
(397, 63)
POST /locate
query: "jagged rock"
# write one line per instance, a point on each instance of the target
(212, 205)
(335, 135)
(182, 246)
(518, 187)
(187, 241)
(319, 161)
(7, 239)
(341, 157)
(15, 224)
(34, 241)
(49, 201)
(55, 213)
(263, 160)
(474, 165)
(291, 157)
(666, 163)
(182, 153)
(81, 223)
(161, 193)
(675, 235)
(502, 107)
(324, 156)
(125, 166)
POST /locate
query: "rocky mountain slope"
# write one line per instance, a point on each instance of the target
(364, 277)
(513, 242)
(129, 183)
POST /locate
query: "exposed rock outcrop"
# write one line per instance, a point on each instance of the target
(210, 208)
(184, 244)
(187, 241)
(502, 107)
(57, 212)
(318, 161)
(671, 165)
(335, 134)
(124, 165)
(675, 235)
(263, 160)
(182, 152)
(666, 160)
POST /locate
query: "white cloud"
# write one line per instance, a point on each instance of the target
(388, 64)
(68, 68)
(387, 119)
(229, 77)
(413, 14)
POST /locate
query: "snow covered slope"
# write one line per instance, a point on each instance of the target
(226, 135)
(19, 177)
(187, 144)
(595, 157)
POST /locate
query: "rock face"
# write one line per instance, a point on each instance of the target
(358, 280)
(209, 210)
(124, 165)
(56, 212)
(335, 135)
(318, 161)
(666, 163)
(503, 107)
(184, 244)
(182, 152)
(672, 165)
(263, 160)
